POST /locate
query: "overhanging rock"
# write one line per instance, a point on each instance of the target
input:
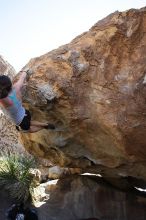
(94, 90)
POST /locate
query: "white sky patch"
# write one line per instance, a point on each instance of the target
(30, 28)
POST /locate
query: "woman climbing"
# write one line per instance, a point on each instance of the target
(11, 103)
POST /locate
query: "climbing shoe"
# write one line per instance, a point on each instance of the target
(49, 126)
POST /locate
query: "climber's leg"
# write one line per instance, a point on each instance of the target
(33, 129)
(28, 125)
(42, 125)
(38, 124)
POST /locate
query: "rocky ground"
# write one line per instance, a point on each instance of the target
(83, 197)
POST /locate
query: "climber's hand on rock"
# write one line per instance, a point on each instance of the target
(28, 72)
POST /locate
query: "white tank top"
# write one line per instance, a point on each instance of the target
(15, 110)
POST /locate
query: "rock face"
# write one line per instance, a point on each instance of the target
(6, 68)
(8, 135)
(94, 90)
(80, 198)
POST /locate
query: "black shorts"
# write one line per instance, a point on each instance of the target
(25, 124)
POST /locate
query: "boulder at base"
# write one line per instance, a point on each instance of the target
(84, 198)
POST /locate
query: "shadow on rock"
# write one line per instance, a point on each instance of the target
(81, 197)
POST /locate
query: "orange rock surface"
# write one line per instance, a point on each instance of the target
(94, 91)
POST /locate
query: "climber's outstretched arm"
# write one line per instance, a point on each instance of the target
(19, 84)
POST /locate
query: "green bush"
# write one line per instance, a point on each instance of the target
(15, 176)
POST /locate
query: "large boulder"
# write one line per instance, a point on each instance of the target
(94, 91)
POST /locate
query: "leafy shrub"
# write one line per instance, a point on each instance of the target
(15, 176)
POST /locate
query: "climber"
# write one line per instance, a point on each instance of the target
(11, 103)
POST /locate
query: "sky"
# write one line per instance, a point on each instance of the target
(31, 28)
